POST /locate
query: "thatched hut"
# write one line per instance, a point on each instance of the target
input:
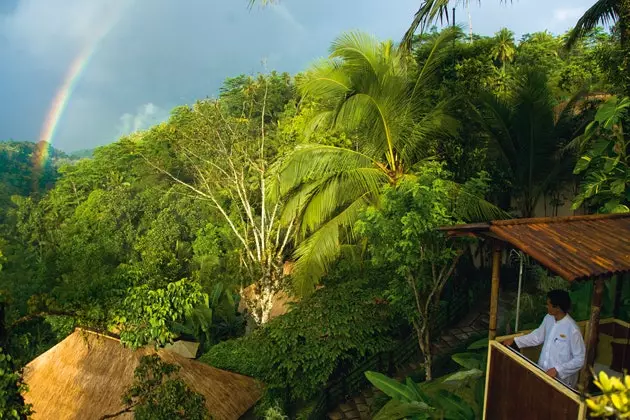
(85, 375)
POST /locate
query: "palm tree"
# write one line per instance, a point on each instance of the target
(606, 12)
(527, 132)
(504, 49)
(429, 12)
(376, 91)
(602, 12)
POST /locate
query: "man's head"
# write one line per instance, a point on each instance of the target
(558, 302)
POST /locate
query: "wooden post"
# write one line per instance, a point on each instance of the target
(592, 334)
(494, 294)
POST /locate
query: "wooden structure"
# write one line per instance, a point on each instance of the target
(577, 248)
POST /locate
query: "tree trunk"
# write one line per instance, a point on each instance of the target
(428, 357)
(266, 303)
(424, 342)
(260, 300)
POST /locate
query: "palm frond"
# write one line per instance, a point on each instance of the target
(495, 116)
(435, 59)
(315, 255)
(430, 127)
(428, 12)
(325, 81)
(313, 161)
(602, 12)
(473, 208)
(338, 192)
(376, 117)
(360, 51)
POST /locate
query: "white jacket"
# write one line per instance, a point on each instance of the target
(563, 349)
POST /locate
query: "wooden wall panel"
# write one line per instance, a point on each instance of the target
(515, 392)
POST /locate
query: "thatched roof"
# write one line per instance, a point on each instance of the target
(187, 349)
(85, 375)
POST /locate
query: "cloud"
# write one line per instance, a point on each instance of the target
(146, 116)
(163, 53)
(565, 14)
(47, 29)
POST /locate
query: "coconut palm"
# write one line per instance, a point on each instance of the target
(528, 129)
(375, 91)
(504, 49)
(607, 12)
(604, 12)
(429, 12)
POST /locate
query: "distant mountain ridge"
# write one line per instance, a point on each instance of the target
(81, 154)
(54, 152)
(19, 173)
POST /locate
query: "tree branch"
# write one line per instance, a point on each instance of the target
(209, 196)
(120, 413)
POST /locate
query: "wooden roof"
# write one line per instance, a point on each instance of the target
(85, 375)
(575, 247)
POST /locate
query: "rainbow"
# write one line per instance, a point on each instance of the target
(72, 76)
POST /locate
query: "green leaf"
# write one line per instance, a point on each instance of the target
(469, 360)
(455, 408)
(479, 344)
(620, 209)
(396, 410)
(611, 111)
(582, 164)
(599, 147)
(464, 375)
(418, 395)
(390, 387)
(618, 187)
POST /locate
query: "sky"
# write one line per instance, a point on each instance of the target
(134, 60)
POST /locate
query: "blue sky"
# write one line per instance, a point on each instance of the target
(164, 53)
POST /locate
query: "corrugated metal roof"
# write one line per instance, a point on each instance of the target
(576, 247)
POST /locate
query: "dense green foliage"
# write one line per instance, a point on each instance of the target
(606, 163)
(147, 313)
(458, 395)
(339, 177)
(12, 404)
(156, 395)
(297, 354)
(404, 240)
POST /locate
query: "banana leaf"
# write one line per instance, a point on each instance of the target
(397, 410)
(390, 387)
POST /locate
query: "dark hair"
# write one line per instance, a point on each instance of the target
(560, 299)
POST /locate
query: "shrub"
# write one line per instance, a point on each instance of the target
(12, 404)
(295, 355)
(240, 355)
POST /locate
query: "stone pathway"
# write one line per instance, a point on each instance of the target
(474, 324)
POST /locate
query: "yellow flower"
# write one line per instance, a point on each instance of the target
(593, 404)
(616, 384)
(616, 401)
(616, 398)
(604, 382)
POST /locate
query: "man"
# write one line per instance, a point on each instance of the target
(563, 353)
